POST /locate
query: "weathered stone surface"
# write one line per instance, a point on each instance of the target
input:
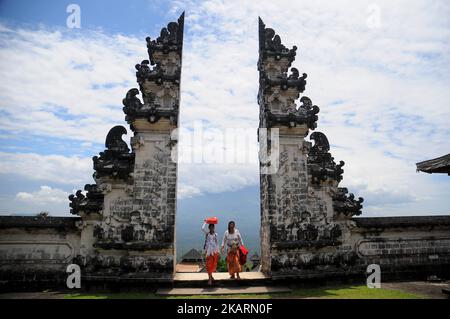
(35, 248)
(134, 228)
(91, 203)
(414, 246)
(115, 161)
(307, 230)
(270, 45)
(158, 78)
(301, 228)
(126, 228)
(321, 165)
(63, 223)
(403, 222)
(346, 204)
(279, 90)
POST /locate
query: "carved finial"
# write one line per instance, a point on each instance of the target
(170, 39)
(92, 202)
(321, 165)
(270, 44)
(163, 68)
(346, 204)
(115, 161)
(114, 140)
(321, 144)
(280, 86)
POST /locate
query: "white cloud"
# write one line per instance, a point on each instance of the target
(187, 191)
(59, 85)
(69, 170)
(383, 92)
(217, 178)
(45, 195)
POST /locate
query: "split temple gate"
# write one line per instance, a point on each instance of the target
(125, 229)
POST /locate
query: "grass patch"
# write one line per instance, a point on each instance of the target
(340, 292)
(353, 292)
(112, 295)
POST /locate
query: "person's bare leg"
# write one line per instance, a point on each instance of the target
(215, 269)
(237, 276)
(210, 279)
(231, 275)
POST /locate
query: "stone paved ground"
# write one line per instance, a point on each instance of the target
(431, 290)
(427, 289)
(251, 275)
(32, 295)
(222, 291)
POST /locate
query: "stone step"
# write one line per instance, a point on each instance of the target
(221, 291)
(446, 292)
(222, 279)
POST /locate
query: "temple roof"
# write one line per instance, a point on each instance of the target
(192, 255)
(436, 165)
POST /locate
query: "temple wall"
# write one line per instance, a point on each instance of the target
(301, 232)
(301, 235)
(135, 231)
(155, 176)
(129, 213)
(402, 246)
(308, 229)
(126, 224)
(37, 247)
(405, 247)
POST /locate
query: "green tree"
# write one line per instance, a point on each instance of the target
(222, 265)
(43, 214)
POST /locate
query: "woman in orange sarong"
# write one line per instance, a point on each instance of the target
(211, 264)
(232, 238)
(211, 248)
(234, 267)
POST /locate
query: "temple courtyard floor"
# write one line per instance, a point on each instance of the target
(389, 290)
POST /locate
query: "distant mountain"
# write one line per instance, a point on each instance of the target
(240, 206)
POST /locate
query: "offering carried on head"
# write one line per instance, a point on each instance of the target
(211, 220)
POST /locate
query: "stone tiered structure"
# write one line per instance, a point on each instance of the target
(123, 229)
(128, 215)
(305, 216)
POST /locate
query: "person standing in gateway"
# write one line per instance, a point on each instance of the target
(233, 239)
(211, 248)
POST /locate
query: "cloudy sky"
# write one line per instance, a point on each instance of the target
(378, 70)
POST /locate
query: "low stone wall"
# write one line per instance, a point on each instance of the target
(37, 249)
(410, 246)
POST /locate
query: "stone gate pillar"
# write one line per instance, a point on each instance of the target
(305, 217)
(128, 215)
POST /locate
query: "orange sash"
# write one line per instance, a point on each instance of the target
(233, 262)
(211, 263)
